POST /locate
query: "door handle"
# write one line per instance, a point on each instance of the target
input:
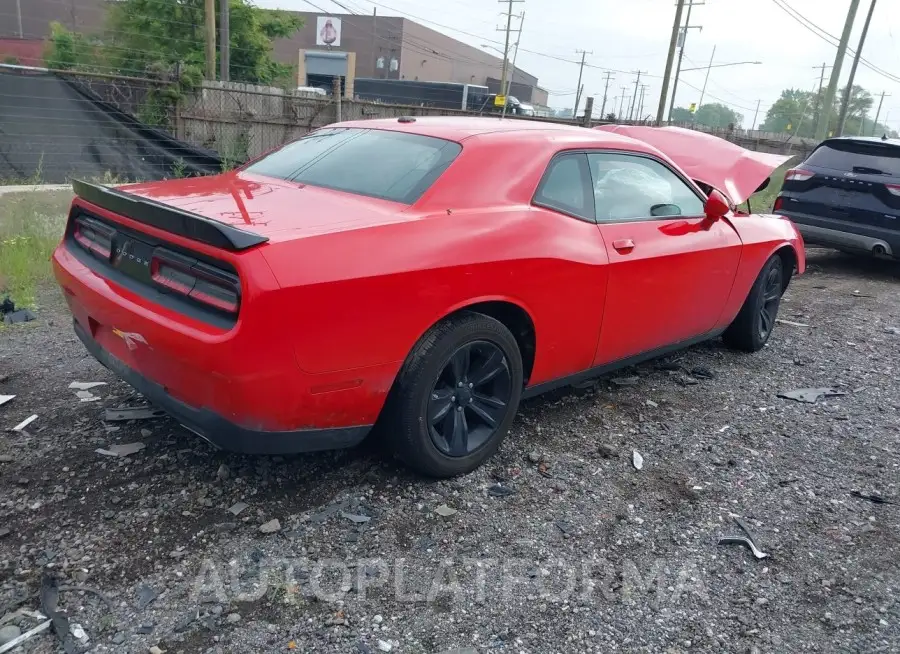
(623, 245)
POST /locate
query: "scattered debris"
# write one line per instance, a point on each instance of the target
(146, 596)
(145, 412)
(5, 398)
(15, 642)
(445, 511)
(355, 517)
(23, 315)
(563, 526)
(87, 396)
(871, 497)
(8, 633)
(791, 323)
(499, 490)
(810, 395)
(49, 594)
(544, 469)
(4, 531)
(270, 527)
(121, 451)
(85, 386)
(237, 508)
(233, 618)
(651, 404)
(633, 380)
(80, 634)
(607, 451)
(145, 629)
(637, 460)
(892, 330)
(156, 650)
(384, 646)
(702, 372)
(724, 429)
(534, 456)
(687, 381)
(223, 473)
(749, 541)
(22, 425)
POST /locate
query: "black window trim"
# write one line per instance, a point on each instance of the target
(646, 155)
(589, 193)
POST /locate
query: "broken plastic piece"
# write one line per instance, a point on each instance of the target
(637, 460)
(121, 451)
(5, 398)
(22, 425)
(145, 412)
(748, 541)
(810, 395)
(23, 315)
(15, 642)
(791, 323)
(85, 386)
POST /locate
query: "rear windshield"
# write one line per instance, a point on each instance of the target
(390, 165)
(853, 156)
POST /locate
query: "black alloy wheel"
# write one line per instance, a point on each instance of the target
(770, 298)
(469, 399)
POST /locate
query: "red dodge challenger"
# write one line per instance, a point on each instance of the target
(426, 274)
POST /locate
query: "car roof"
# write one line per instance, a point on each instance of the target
(458, 128)
(863, 139)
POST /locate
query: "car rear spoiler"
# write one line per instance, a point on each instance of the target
(169, 219)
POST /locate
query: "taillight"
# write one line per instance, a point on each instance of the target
(779, 202)
(93, 236)
(201, 282)
(798, 175)
(893, 188)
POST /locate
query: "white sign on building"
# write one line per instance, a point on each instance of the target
(328, 31)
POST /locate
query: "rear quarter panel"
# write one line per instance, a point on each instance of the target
(762, 236)
(363, 297)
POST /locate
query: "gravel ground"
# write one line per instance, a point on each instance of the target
(558, 544)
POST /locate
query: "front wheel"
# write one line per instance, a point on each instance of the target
(751, 329)
(456, 396)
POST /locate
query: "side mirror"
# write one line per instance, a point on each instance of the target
(716, 206)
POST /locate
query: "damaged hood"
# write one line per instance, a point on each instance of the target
(727, 167)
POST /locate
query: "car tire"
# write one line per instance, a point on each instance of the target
(755, 322)
(440, 443)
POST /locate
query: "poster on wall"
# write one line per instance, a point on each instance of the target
(328, 31)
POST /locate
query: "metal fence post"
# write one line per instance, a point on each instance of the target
(337, 99)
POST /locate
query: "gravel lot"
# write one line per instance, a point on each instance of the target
(557, 545)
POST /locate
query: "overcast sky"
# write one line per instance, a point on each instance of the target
(634, 35)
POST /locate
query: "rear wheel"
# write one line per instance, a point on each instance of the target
(456, 396)
(753, 326)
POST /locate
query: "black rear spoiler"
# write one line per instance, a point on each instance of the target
(169, 219)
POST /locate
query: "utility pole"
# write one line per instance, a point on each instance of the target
(583, 54)
(684, 35)
(211, 39)
(609, 76)
(756, 115)
(622, 102)
(670, 58)
(821, 84)
(19, 14)
(845, 103)
(640, 114)
(509, 17)
(225, 38)
(828, 104)
(705, 82)
(884, 94)
(515, 58)
(634, 98)
(374, 45)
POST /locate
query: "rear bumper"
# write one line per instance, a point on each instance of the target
(846, 236)
(216, 429)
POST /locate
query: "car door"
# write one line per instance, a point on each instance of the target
(670, 268)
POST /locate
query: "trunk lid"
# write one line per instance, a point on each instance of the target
(729, 168)
(276, 209)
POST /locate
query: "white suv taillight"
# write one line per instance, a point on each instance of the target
(798, 175)
(893, 188)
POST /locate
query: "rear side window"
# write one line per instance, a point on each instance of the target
(566, 187)
(854, 156)
(382, 164)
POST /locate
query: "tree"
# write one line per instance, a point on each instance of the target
(708, 115)
(797, 112)
(144, 36)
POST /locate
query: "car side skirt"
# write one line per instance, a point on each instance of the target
(598, 371)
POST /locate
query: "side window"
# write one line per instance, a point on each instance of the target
(566, 187)
(629, 187)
